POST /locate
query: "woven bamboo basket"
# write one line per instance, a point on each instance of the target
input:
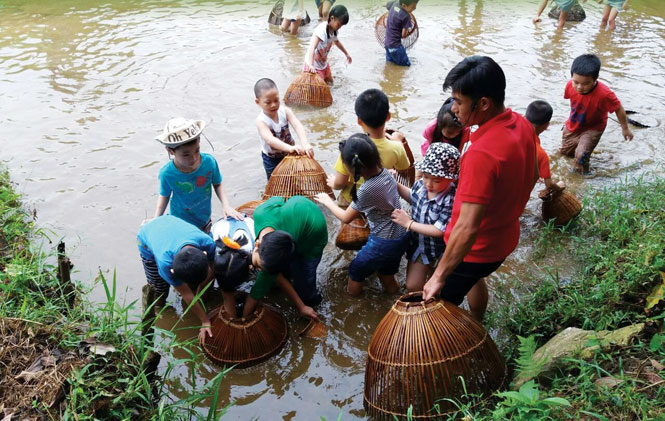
(248, 208)
(380, 32)
(297, 175)
(561, 206)
(244, 342)
(576, 14)
(417, 354)
(308, 89)
(275, 17)
(408, 176)
(354, 235)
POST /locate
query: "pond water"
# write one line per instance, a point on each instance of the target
(85, 86)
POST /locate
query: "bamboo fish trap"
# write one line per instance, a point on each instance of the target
(244, 342)
(408, 176)
(407, 42)
(297, 175)
(417, 354)
(275, 17)
(561, 206)
(248, 208)
(308, 89)
(354, 235)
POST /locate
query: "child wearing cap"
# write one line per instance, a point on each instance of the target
(431, 200)
(188, 179)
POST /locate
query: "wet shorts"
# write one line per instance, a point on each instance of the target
(379, 255)
(579, 145)
(565, 5)
(325, 74)
(464, 277)
(617, 4)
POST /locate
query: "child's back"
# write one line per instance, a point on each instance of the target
(398, 23)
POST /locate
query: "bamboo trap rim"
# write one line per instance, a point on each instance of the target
(408, 42)
(297, 175)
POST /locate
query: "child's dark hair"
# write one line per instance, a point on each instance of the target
(407, 2)
(190, 265)
(372, 108)
(358, 152)
(231, 267)
(586, 65)
(446, 119)
(539, 112)
(477, 77)
(340, 13)
(263, 85)
(276, 250)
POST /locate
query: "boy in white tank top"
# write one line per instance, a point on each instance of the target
(274, 125)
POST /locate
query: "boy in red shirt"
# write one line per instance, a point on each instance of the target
(590, 103)
(539, 114)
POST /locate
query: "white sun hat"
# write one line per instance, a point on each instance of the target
(178, 131)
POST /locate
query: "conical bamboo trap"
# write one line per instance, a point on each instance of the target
(407, 42)
(354, 235)
(308, 89)
(249, 207)
(314, 329)
(417, 355)
(408, 176)
(275, 17)
(297, 175)
(561, 206)
(244, 342)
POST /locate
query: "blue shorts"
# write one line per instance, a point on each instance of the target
(566, 5)
(269, 163)
(398, 56)
(303, 276)
(378, 255)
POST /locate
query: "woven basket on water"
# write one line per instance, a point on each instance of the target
(275, 17)
(354, 235)
(244, 342)
(297, 175)
(248, 208)
(417, 354)
(308, 89)
(408, 176)
(407, 42)
(561, 206)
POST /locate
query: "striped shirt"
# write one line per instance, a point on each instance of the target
(435, 212)
(377, 198)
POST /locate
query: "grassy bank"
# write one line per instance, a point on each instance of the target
(65, 358)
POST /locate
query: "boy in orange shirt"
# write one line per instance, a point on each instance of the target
(539, 114)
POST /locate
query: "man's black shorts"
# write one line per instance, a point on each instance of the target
(463, 278)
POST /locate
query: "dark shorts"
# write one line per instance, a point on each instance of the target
(378, 255)
(303, 276)
(154, 278)
(464, 277)
(269, 163)
(398, 56)
(579, 145)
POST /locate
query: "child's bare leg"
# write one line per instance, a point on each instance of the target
(416, 276)
(324, 9)
(354, 288)
(285, 25)
(478, 298)
(229, 303)
(562, 18)
(606, 15)
(613, 15)
(389, 283)
(294, 26)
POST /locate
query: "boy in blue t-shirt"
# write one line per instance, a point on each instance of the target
(398, 24)
(188, 179)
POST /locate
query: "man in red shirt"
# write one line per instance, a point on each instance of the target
(497, 173)
(590, 102)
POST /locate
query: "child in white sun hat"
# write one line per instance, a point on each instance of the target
(188, 179)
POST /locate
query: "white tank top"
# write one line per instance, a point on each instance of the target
(280, 130)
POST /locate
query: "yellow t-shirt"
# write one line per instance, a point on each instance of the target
(393, 156)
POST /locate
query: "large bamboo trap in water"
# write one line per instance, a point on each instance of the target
(561, 206)
(297, 175)
(244, 342)
(308, 89)
(407, 42)
(417, 355)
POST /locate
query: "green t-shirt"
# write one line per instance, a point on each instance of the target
(301, 218)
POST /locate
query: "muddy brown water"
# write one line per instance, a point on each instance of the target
(85, 86)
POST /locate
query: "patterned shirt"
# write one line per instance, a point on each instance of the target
(435, 212)
(377, 198)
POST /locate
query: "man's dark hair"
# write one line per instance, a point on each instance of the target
(231, 268)
(190, 265)
(372, 108)
(539, 112)
(276, 250)
(263, 85)
(586, 65)
(477, 77)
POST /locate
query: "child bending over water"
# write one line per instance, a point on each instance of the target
(325, 35)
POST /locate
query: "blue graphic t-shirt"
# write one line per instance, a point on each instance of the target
(160, 239)
(190, 193)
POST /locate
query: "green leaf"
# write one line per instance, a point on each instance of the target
(556, 402)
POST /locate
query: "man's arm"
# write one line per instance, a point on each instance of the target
(459, 244)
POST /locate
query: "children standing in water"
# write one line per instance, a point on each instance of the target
(445, 128)
(273, 124)
(188, 179)
(539, 114)
(325, 35)
(398, 24)
(565, 5)
(611, 10)
(431, 201)
(376, 198)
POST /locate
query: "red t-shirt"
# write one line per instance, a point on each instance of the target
(497, 170)
(589, 111)
(543, 161)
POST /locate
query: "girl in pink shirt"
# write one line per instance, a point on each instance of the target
(445, 128)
